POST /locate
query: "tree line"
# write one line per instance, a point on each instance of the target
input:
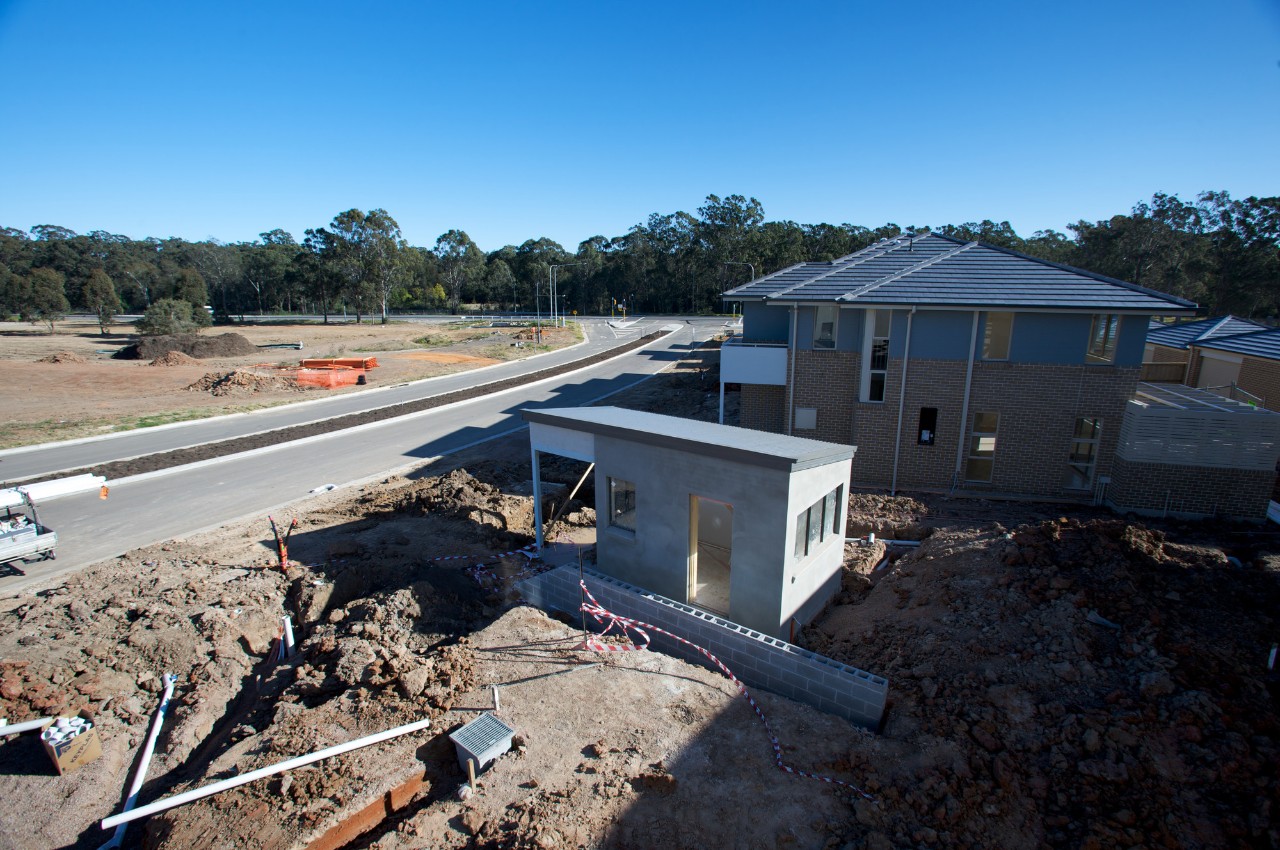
(1215, 250)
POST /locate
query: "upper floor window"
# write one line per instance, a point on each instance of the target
(875, 355)
(996, 336)
(824, 327)
(1102, 338)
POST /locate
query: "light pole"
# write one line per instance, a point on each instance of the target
(551, 279)
(748, 265)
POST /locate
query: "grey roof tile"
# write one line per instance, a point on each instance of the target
(1257, 344)
(1182, 334)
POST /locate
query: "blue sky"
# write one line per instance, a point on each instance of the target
(567, 120)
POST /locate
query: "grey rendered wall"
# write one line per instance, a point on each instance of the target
(656, 556)
(758, 660)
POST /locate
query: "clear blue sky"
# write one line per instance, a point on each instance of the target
(514, 121)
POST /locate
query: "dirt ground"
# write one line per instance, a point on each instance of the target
(1057, 680)
(70, 384)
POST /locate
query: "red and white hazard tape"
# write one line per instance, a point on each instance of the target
(521, 550)
(626, 624)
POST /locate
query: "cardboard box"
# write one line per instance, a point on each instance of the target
(75, 753)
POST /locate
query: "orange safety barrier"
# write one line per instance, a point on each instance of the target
(349, 362)
(339, 376)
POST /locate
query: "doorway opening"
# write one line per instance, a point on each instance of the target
(710, 553)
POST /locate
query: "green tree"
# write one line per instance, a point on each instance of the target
(172, 316)
(101, 298)
(189, 286)
(460, 261)
(48, 300)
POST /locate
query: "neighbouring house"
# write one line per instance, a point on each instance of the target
(950, 364)
(1168, 350)
(746, 524)
(1244, 366)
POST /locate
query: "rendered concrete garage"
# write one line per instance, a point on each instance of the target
(746, 524)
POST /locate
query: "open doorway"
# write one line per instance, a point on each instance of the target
(710, 553)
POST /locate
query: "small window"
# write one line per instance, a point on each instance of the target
(982, 447)
(1084, 454)
(821, 521)
(1102, 338)
(622, 504)
(928, 430)
(875, 355)
(824, 327)
(806, 418)
(996, 336)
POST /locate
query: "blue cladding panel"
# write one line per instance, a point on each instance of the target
(804, 328)
(941, 335)
(849, 329)
(1050, 337)
(1133, 340)
(762, 322)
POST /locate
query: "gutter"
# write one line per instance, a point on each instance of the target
(791, 380)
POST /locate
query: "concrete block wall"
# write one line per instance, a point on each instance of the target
(1190, 491)
(757, 659)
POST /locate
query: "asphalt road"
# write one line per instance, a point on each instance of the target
(184, 500)
(27, 462)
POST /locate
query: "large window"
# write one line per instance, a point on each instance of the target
(1102, 338)
(875, 355)
(982, 447)
(622, 504)
(823, 520)
(1084, 453)
(996, 336)
(824, 327)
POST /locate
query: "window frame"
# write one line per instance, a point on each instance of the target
(1104, 331)
(616, 516)
(987, 325)
(822, 343)
(1074, 466)
(975, 453)
(869, 340)
(819, 522)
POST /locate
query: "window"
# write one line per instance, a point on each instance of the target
(996, 336)
(1102, 338)
(982, 447)
(1084, 454)
(928, 430)
(822, 521)
(622, 504)
(824, 327)
(875, 355)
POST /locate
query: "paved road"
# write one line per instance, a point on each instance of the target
(184, 500)
(27, 462)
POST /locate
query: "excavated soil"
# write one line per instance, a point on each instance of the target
(240, 382)
(192, 345)
(63, 357)
(173, 358)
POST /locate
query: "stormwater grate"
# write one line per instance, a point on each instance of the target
(482, 740)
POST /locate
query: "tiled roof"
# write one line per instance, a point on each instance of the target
(935, 270)
(1257, 344)
(1181, 335)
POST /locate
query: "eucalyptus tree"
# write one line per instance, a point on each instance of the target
(101, 298)
(459, 261)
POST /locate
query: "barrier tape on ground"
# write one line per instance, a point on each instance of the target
(522, 549)
(626, 624)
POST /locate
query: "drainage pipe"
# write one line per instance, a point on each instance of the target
(144, 761)
(883, 540)
(793, 348)
(254, 775)
(24, 726)
(902, 400)
(964, 405)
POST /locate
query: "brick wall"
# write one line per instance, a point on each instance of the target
(1193, 491)
(1165, 354)
(763, 407)
(1261, 377)
(758, 660)
(1038, 406)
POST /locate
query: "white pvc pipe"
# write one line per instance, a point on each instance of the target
(288, 636)
(254, 775)
(144, 761)
(496, 704)
(24, 726)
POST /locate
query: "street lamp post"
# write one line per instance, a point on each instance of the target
(551, 279)
(748, 265)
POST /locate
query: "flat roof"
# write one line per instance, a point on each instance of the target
(744, 445)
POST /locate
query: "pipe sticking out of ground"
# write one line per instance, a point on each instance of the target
(144, 761)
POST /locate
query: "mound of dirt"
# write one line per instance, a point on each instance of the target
(239, 382)
(63, 357)
(200, 347)
(173, 358)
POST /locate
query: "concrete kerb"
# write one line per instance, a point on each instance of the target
(758, 660)
(293, 405)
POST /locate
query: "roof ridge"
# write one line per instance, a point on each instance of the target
(1211, 330)
(923, 264)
